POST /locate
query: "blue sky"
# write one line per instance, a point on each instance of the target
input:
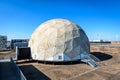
(100, 19)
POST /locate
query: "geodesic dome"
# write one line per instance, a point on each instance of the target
(58, 40)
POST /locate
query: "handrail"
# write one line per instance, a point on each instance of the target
(95, 58)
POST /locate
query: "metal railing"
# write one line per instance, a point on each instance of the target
(94, 58)
(91, 60)
(19, 75)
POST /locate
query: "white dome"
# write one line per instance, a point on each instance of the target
(58, 40)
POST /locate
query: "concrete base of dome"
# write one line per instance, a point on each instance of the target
(61, 57)
(60, 62)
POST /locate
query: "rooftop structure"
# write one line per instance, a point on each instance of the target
(3, 42)
(19, 43)
(59, 40)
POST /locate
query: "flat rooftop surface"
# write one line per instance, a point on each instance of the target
(7, 54)
(37, 71)
(109, 68)
(6, 72)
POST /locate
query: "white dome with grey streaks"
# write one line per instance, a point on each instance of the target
(58, 40)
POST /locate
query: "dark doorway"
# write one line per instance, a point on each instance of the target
(24, 53)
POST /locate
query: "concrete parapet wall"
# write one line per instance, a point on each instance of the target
(19, 75)
(105, 49)
(115, 42)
